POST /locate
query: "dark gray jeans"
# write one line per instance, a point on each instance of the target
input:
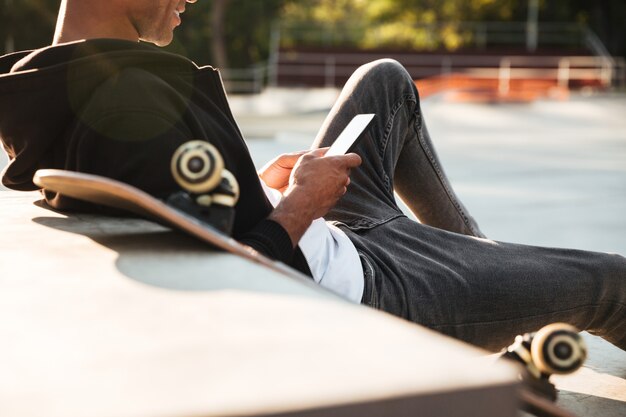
(441, 273)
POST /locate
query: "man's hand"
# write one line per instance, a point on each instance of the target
(315, 185)
(276, 172)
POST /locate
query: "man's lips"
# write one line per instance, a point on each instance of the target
(177, 12)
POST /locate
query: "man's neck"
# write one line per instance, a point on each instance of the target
(91, 19)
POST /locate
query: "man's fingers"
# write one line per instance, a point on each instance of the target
(319, 151)
(349, 160)
(354, 160)
(289, 160)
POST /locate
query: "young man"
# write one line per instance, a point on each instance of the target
(111, 106)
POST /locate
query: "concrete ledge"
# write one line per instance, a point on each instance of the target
(120, 317)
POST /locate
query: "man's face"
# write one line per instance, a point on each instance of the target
(155, 20)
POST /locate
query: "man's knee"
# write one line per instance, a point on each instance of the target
(387, 71)
(614, 274)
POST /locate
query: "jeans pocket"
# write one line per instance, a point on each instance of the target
(370, 293)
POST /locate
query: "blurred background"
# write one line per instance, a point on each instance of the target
(530, 45)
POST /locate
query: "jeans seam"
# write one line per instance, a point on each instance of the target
(418, 126)
(369, 224)
(434, 326)
(388, 128)
(440, 175)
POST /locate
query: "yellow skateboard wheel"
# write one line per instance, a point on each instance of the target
(558, 349)
(197, 166)
(231, 186)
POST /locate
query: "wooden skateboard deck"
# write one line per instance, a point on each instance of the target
(111, 193)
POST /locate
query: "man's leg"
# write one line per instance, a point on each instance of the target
(397, 153)
(477, 290)
(486, 292)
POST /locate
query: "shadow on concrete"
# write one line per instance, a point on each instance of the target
(157, 256)
(590, 405)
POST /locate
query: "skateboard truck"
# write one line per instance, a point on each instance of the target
(210, 192)
(554, 349)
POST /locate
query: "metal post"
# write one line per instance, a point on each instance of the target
(532, 26)
(563, 75)
(329, 71)
(481, 36)
(504, 76)
(446, 66)
(607, 72)
(256, 79)
(274, 55)
(9, 42)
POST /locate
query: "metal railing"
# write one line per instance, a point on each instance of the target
(333, 69)
(565, 69)
(246, 80)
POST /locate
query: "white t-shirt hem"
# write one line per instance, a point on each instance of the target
(333, 260)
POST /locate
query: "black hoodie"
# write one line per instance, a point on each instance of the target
(120, 109)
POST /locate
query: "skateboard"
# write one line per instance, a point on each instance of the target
(204, 209)
(555, 349)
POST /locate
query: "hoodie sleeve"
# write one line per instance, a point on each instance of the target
(270, 239)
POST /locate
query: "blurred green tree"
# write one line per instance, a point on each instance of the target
(391, 23)
(400, 23)
(228, 33)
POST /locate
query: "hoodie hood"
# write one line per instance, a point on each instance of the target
(43, 91)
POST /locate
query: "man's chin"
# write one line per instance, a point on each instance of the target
(159, 42)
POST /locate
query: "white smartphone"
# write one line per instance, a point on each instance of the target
(349, 136)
